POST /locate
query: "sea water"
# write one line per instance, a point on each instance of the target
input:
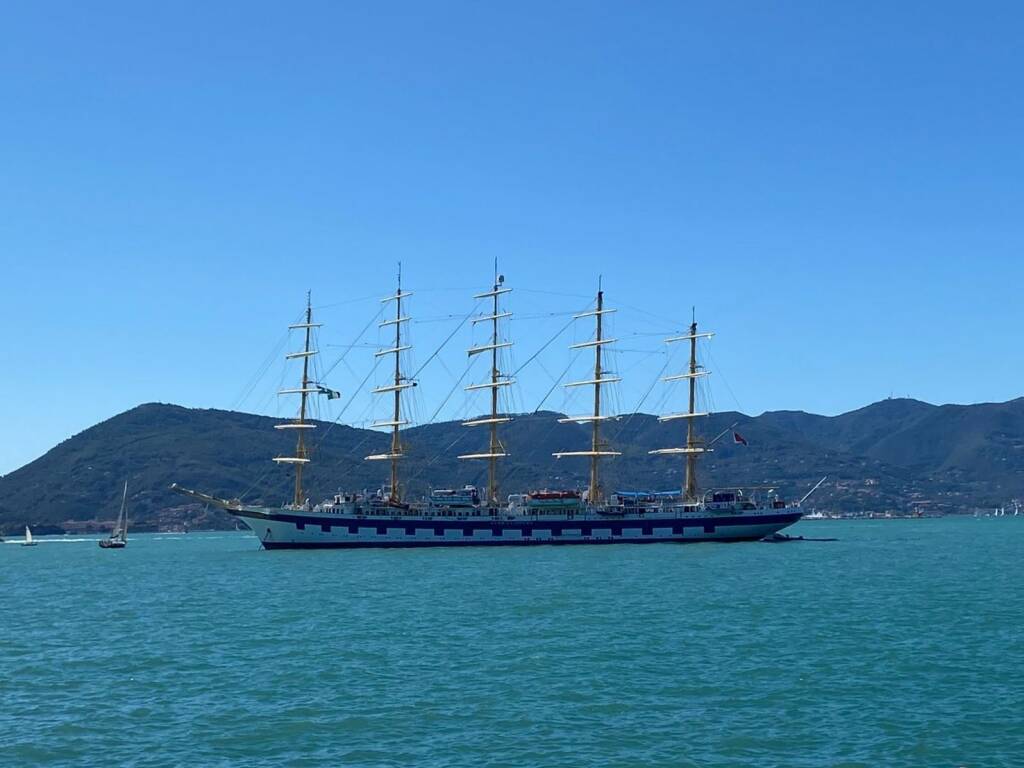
(901, 644)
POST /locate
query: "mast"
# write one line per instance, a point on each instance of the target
(307, 387)
(122, 519)
(694, 444)
(495, 449)
(398, 385)
(690, 487)
(598, 449)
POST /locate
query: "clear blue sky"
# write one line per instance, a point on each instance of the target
(838, 189)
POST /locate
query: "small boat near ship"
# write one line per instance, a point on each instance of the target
(118, 538)
(468, 516)
(29, 541)
(816, 514)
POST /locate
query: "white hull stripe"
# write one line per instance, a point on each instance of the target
(507, 542)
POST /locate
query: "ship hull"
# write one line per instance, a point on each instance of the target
(295, 530)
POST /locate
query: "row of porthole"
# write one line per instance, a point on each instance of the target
(411, 531)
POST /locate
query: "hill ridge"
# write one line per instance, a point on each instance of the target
(886, 455)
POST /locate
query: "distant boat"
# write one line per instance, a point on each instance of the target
(119, 536)
(28, 542)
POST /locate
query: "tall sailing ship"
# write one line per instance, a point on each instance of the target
(468, 516)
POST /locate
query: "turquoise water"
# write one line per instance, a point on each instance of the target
(900, 645)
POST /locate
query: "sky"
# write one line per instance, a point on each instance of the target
(837, 189)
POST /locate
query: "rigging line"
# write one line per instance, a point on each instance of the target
(351, 369)
(343, 303)
(553, 293)
(436, 456)
(434, 318)
(367, 434)
(721, 375)
(649, 314)
(447, 370)
(261, 371)
(451, 391)
(352, 397)
(541, 315)
(450, 374)
(272, 396)
(462, 434)
(517, 469)
(557, 381)
(312, 450)
(654, 383)
(443, 343)
(256, 482)
(355, 448)
(545, 369)
(344, 354)
(547, 344)
(638, 361)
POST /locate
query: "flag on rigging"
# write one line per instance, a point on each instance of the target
(332, 394)
(738, 438)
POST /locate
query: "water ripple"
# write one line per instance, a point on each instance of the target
(900, 645)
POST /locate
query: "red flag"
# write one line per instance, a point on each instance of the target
(738, 438)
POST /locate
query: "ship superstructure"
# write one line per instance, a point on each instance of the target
(463, 516)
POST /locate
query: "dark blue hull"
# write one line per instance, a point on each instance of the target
(289, 529)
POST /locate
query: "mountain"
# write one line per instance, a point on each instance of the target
(890, 455)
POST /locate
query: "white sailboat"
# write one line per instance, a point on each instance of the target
(119, 536)
(29, 541)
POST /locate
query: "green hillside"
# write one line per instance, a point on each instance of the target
(890, 455)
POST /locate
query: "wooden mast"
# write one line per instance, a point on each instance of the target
(690, 489)
(595, 425)
(301, 424)
(396, 444)
(598, 449)
(300, 446)
(124, 517)
(398, 385)
(495, 450)
(694, 444)
(493, 446)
